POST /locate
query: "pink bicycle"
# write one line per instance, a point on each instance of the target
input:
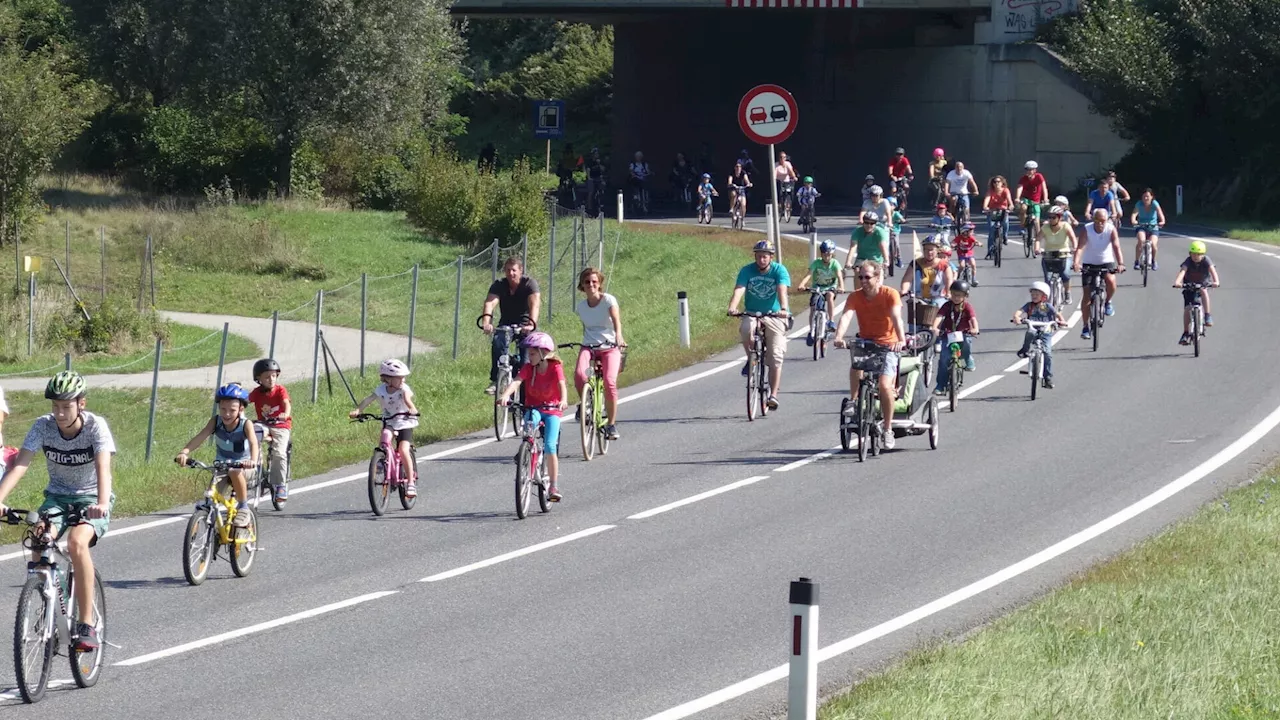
(384, 467)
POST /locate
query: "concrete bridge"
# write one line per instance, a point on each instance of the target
(868, 75)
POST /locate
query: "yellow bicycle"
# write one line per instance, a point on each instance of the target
(211, 527)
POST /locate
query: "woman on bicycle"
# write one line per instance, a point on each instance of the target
(601, 325)
(1058, 239)
(739, 181)
(938, 174)
(544, 392)
(1147, 217)
(785, 175)
(998, 199)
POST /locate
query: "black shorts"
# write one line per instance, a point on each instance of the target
(1088, 271)
(1189, 296)
(403, 435)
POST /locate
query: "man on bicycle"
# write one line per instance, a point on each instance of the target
(518, 299)
(764, 285)
(899, 174)
(1032, 191)
(879, 312)
(1098, 251)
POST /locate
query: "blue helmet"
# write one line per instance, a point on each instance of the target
(232, 391)
(763, 246)
(706, 176)
(826, 246)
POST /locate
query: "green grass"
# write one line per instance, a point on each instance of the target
(1240, 230)
(1182, 626)
(195, 348)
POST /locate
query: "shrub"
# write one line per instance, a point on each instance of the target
(382, 183)
(450, 198)
(113, 326)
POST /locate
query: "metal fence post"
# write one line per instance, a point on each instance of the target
(66, 361)
(315, 355)
(573, 262)
(601, 238)
(151, 270)
(31, 314)
(494, 274)
(457, 309)
(364, 315)
(275, 321)
(155, 382)
(102, 240)
(413, 316)
(17, 257)
(67, 235)
(142, 271)
(524, 251)
(222, 361)
(551, 268)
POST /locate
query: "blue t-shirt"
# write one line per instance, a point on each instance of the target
(707, 188)
(1040, 312)
(1102, 200)
(762, 287)
(1148, 217)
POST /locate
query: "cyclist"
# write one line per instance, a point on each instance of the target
(518, 300)
(925, 279)
(739, 181)
(5, 452)
(960, 185)
(877, 204)
(1067, 216)
(807, 196)
(234, 441)
(706, 190)
(568, 163)
(1101, 197)
(1197, 268)
(964, 244)
(895, 230)
(869, 241)
(867, 183)
(638, 179)
(764, 284)
(1040, 310)
(785, 176)
(1098, 251)
(879, 312)
(955, 316)
(681, 177)
(824, 273)
(271, 402)
(1058, 240)
(601, 324)
(900, 173)
(997, 199)
(77, 447)
(748, 166)
(1147, 218)
(938, 174)
(395, 396)
(544, 389)
(596, 175)
(1032, 190)
(1122, 195)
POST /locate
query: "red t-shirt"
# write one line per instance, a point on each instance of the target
(1031, 187)
(542, 388)
(898, 166)
(964, 243)
(270, 404)
(953, 320)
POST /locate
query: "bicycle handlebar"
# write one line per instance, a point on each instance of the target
(1036, 324)
(524, 320)
(1196, 285)
(14, 516)
(216, 466)
(522, 406)
(757, 315)
(364, 417)
(598, 346)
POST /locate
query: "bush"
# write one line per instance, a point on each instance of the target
(450, 198)
(114, 326)
(382, 183)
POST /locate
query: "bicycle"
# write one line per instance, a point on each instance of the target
(962, 210)
(45, 624)
(788, 187)
(704, 210)
(895, 254)
(384, 466)
(808, 221)
(211, 527)
(757, 371)
(503, 419)
(997, 217)
(738, 201)
(1097, 289)
(1043, 330)
(955, 373)
(591, 415)
(263, 484)
(901, 188)
(531, 463)
(1144, 257)
(1055, 264)
(1028, 230)
(567, 192)
(819, 318)
(869, 358)
(1197, 313)
(639, 197)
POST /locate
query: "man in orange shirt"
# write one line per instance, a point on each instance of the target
(880, 330)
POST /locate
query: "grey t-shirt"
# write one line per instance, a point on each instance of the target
(597, 326)
(71, 460)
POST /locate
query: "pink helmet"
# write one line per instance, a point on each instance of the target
(540, 340)
(939, 152)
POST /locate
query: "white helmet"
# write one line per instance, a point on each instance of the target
(1061, 200)
(1031, 165)
(1042, 286)
(877, 190)
(393, 368)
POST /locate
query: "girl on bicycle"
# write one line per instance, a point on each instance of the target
(234, 442)
(1147, 217)
(998, 199)
(544, 394)
(396, 397)
(601, 325)
(964, 244)
(1067, 217)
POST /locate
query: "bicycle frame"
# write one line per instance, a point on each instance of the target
(52, 558)
(223, 508)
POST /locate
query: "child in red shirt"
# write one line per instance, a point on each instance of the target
(545, 394)
(964, 244)
(275, 412)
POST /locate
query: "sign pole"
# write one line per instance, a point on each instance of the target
(773, 193)
(548, 156)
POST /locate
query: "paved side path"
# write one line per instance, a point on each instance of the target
(295, 343)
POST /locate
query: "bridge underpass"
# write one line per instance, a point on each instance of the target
(915, 73)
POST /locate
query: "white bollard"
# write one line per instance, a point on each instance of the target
(620, 204)
(802, 678)
(1179, 199)
(682, 299)
(813, 246)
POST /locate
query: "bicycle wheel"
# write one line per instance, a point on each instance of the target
(1027, 240)
(33, 642)
(1096, 311)
(752, 397)
(821, 342)
(407, 502)
(379, 487)
(762, 387)
(1035, 374)
(501, 415)
(786, 210)
(602, 440)
(931, 417)
(587, 421)
(926, 361)
(1145, 268)
(846, 432)
(999, 248)
(864, 422)
(87, 666)
(955, 383)
(1197, 327)
(544, 496)
(524, 478)
(816, 326)
(198, 546)
(244, 546)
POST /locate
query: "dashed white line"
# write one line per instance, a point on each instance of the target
(517, 553)
(805, 461)
(978, 386)
(695, 498)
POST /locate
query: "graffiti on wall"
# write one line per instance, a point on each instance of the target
(1020, 17)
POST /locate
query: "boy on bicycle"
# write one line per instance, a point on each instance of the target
(964, 244)
(234, 441)
(807, 195)
(895, 231)
(706, 190)
(956, 316)
(77, 447)
(271, 402)
(825, 274)
(545, 392)
(396, 399)
(1197, 268)
(1039, 310)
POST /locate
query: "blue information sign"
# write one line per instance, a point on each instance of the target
(548, 119)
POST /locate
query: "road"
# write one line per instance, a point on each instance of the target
(605, 609)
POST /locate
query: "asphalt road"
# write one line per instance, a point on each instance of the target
(633, 614)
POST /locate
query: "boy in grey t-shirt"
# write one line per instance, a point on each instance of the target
(77, 447)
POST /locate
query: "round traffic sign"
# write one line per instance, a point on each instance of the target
(768, 114)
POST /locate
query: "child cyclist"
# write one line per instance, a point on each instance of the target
(1197, 268)
(395, 397)
(234, 442)
(964, 244)
(706, 190)
(275, 411)
(1062, 202)
(77, 447)
(825, 274)
(1039, 310)
(545, 393)
(956, 316)
(806, 196)
(895, 231)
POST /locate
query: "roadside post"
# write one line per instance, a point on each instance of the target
(767, 115)
(682, 300)
(1179, 199)
(802, 675)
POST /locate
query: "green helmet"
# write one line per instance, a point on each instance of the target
(808, 178)
(1197, 247)
(66, 385)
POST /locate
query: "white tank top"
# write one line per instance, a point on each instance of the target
(1097, 250)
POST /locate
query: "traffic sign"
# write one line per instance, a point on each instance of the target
(548, 119)
(768, 114)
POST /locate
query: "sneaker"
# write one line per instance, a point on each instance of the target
(970, 366)
(897, 262)
(975, 282)
(553, 494)
(831, 326)
(1066, 299)
(746, 368)
(1085, 334)
(86, 637)
(808, 340)
(1022, 354)
(242, 515)
(491, 390)
(1155, 265)
(577, 414)
(772, 402)
(851, 410)
(889, 441)
(1137, 266)
(1110, 310)
(1185, 339)
(411, 490)
(282, 493)
(611, 432)
(940, 391)
(1048, 383)
(1208, 320)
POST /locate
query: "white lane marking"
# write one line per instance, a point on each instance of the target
(1222, 457)
(53, 685)
(250, 629)
(805, 461)
(695, 498)
(1015, 366)
(978, 386)
(516, 553)
(676, 383)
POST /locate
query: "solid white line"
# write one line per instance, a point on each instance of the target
(805, 461)
(516, 553)
(1222, 457)
(676, 383)
(15, 694)
(978, 386)
(241, 632)
(696, 498)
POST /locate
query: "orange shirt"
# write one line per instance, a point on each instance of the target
(875, 314)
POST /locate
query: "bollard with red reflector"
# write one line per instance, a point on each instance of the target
(802, 679)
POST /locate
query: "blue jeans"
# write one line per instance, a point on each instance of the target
(550, 429)
(1048, 350)
(944, 361)
(991, 234)
(502, 341)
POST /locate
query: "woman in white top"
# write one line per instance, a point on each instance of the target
(1098, 252)
(960, 184)
(785, 176)
(601, 325)
(877, 204)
